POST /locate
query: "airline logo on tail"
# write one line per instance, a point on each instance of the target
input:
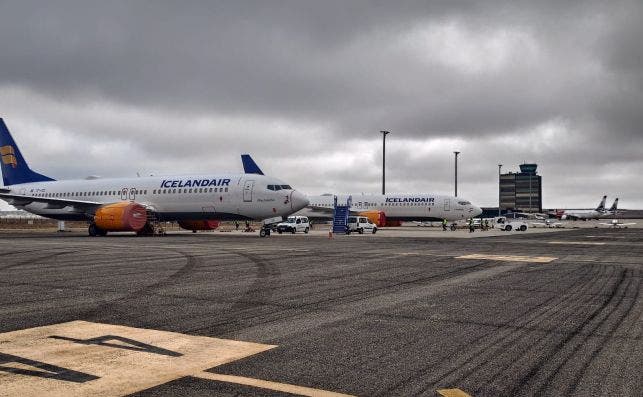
(9, 156)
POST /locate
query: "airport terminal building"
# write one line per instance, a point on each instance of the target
(521, 191)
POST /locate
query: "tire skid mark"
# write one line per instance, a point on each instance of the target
(538, 366)
(603, 338)
(191, 263)
(40, 258)
(300, 309)
(561, 307)
(497, 339)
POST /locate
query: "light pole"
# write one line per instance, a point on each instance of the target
(384, 134)
(456, 173)
(499, 188)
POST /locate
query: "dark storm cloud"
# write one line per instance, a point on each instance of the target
(207, 80)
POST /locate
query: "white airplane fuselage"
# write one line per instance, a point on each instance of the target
(400, 207)
(188, 197)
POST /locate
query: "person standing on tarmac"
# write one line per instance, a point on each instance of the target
(444, 225)
(471, 227)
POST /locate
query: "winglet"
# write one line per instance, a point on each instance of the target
(249, 165)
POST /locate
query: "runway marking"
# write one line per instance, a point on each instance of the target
(82, 358)
(509, 258)
(576, 242)
(265, 384)
(452, 393)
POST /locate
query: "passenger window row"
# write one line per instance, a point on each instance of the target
(88, 194)
(191, 190)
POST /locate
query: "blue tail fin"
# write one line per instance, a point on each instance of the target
(14, 167)
(249, 165)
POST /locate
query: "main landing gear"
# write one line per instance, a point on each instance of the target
(94, 230)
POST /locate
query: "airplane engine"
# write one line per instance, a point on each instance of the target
(377, 217)
(199, 225)
(121, 217)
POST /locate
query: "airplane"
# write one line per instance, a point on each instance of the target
(596, 213)
(613, 209)
(548, 223)
(395, 207)
(616, 224)
(139, 204)
(387, 209)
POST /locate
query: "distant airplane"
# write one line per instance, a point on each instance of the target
(596, 213)
(613, 209)
(395, 207)
(138, 204)
(387, 208)
(615, 223)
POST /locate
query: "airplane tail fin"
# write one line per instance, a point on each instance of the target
(601, 206)
(614, 208)
(249, 165)
(14, 167)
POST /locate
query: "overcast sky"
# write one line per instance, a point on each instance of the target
(114, 88)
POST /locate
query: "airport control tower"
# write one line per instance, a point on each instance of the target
(521, 191)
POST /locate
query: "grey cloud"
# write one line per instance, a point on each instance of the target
(199, 82)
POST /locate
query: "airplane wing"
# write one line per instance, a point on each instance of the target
(52, 203)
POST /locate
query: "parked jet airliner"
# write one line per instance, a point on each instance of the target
(388, 207)
(137, 204)
(396, 207)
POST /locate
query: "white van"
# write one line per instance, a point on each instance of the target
(294, 224)
(361, 224)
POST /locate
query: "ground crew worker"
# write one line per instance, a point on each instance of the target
(471, 227)
(486, 224)
(444, 224)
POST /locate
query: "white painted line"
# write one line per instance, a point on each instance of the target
(452, 393)
(265, 384)
(81, 358)
(509, 258)
(576, 242)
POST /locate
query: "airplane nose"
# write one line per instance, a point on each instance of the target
(298, 201)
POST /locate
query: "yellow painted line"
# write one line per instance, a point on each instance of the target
(82, 358)
(576, 242)
(452, 393)
(509, 258)
(265, 384)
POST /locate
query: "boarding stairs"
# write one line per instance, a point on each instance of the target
(340, 215)
(154, 226)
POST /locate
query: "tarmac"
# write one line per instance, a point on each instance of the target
(404, 312)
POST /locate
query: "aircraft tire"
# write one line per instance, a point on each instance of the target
(374, 230)
(92, 230)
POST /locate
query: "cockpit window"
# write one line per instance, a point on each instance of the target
(464, 202)
(287, 187)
